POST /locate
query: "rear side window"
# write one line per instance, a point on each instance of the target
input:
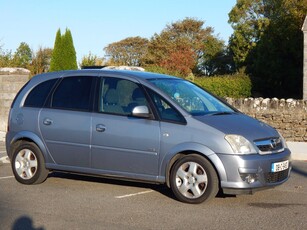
(73, 93)
(39, 93)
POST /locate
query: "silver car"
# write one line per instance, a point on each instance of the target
(141, 126)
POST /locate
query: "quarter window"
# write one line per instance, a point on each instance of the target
(166, 111)
(73, 93)
(38, 95)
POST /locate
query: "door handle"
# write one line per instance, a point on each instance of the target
(100, 128)
(47, 121)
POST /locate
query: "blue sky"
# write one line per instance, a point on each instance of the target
(96, 23)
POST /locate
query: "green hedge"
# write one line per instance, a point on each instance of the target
(235, 86)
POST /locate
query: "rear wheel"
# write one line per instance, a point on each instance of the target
(28, 164)
(193, 179)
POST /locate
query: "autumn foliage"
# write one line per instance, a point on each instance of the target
(181, 60)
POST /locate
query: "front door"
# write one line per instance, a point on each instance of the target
(124, 145)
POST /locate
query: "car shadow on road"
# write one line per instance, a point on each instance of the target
(299, 167)
(163, 189)
(299, 171)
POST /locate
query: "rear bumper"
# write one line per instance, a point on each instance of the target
(250, 173)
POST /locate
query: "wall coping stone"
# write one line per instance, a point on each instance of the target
(261, 104)
(13, 70)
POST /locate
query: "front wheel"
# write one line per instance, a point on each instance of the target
(28, 164)
(193, 179)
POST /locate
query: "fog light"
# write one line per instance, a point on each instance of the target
(249, 178)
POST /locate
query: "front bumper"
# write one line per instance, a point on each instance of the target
(246, 174)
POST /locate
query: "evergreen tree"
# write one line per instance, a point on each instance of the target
(64, 54)
(69, 52)
(56, 58)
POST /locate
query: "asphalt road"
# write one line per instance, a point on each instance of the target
(66, 201)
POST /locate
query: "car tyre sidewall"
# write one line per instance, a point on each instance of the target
(213, 181)
(41, 173)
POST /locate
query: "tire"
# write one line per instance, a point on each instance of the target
(28, 164)
(193, 179)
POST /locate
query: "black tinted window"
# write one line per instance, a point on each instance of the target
(73, 93)
(38, 95)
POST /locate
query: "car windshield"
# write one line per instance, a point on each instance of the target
(192, 98)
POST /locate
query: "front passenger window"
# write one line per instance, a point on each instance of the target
(120, 96)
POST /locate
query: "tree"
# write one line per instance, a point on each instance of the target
(64, 54)
(69, 52)
(56, 58)
(248, 20)
(6, 58)
(179, 60)
(41, 61)
(267, 39)
(91, 60)
(187, 37)
(23, 56)
(216, 60)
(129, 51)
(276, 63)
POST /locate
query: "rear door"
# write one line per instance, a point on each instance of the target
(65, 123)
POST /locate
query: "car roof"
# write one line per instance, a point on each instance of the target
(136, 74)
(108, 72)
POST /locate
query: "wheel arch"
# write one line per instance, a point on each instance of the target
(29, 137)
(198, 149)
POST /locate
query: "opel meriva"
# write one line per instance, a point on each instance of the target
(141, 126)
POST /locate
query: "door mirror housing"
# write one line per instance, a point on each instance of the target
(141, 111)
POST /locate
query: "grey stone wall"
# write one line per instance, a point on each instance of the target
(289, 116)
(11, 81)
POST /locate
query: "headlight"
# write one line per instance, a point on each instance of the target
(239, 144)
(283, 140)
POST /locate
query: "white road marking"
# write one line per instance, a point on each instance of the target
(6, 177)
(133, 194)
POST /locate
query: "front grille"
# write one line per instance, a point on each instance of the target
(270, 145)
(274, 177)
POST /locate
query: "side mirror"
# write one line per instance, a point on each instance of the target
(141, 111)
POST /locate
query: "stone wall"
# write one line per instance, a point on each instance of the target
(289, 116)
(11, 81)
